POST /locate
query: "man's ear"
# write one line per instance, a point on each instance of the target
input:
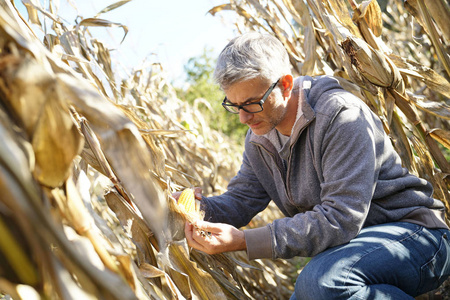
(287, 82)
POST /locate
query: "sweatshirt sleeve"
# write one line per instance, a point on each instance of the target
(259, 242)
(245, 197)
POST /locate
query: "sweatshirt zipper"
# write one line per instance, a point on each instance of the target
(280, 169)
(291, 147)
(285, 178)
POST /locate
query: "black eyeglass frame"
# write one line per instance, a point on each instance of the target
(226, 104)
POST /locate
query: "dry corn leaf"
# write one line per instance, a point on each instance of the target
(16, 154)
(442, 136)
(18, 291)
(173, 277)
(440, 11)
(55, 139)
(135, 227)
(162, 132)
(83, 288)
(84, 225)
(408, 109)
(112, 7)
(36, 6)
(56, 142)
(425, 158)
(439, 109)
(201, 283)
(94, 145)
(150, 271)
(372, 14)
(22, 79)
(434, 35)
(338, 9)
(15, 256)
(32, 11)
(127, 270)
(301, 11)
(104, 60)
(430, 77)
(89, 158)
(96, 22)
(221, 265)
(220, 8)
(239, 9)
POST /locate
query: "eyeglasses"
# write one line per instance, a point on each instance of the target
(252, 108)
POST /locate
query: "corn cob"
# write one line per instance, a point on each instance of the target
(187, 200)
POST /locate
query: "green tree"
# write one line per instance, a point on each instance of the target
(199, 71)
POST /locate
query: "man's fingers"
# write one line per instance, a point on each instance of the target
(214, 238)
(188, 227)
(190, 232)
(198, 193)
(195, 239)
(207, 226)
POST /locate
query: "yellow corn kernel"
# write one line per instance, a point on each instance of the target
(187, 200)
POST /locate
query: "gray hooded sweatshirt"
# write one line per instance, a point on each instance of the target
(339, 174)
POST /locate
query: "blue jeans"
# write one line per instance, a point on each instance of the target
(389, 261)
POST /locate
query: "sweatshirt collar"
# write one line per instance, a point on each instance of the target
(304, 114)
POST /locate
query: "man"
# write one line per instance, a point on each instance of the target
(374, 231)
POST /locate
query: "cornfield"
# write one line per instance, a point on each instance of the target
(88, 161)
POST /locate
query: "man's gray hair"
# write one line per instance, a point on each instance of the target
(249, 56)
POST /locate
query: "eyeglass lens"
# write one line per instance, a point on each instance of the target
(251, 108)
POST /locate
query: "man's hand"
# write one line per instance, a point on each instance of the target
(214, 238)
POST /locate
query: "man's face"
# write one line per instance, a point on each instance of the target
(252, 91)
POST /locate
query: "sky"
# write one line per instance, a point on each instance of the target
(165, 31)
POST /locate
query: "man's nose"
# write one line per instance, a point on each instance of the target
(244, 116)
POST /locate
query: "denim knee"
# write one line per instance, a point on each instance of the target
(306, 286)
(317, 282)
